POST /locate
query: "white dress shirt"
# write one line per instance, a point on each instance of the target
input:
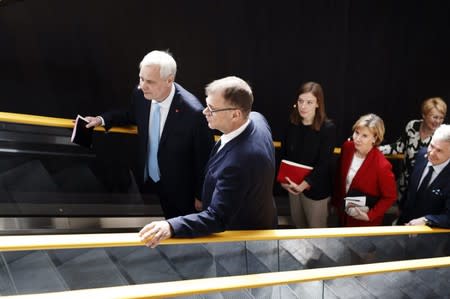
(163, 110)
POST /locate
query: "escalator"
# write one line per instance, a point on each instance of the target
(48, 183)
(43, 271)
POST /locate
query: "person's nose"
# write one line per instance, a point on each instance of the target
(143, 85)
(206, 111)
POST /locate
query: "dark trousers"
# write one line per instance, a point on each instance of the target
(152, 191)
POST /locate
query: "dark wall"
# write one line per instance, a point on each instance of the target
(59, 58)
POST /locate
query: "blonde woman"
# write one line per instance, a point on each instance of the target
(417, 134)
(363, 171)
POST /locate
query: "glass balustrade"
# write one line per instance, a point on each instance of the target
(70, 269)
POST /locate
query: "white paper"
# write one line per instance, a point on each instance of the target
(356, 200)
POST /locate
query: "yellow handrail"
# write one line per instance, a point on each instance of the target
(231, 283)
(37, 120)
(43, 242)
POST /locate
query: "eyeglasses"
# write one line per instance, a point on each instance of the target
(210, 111)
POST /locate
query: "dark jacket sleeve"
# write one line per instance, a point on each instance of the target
(443, 219)
(122, 117)
(228, 194)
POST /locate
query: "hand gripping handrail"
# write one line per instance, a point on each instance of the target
(66, 241)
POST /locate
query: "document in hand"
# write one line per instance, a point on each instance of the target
(356, 200)
(80, 134)
(359, 198)
(296, 172)
(359, 201)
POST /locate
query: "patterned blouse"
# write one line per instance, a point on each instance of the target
(408, 144)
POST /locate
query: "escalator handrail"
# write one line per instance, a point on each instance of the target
(231, 283)
(37, 120)
(69, 241)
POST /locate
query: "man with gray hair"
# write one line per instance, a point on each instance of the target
(174, 141)
(427, 201)
(237, 192)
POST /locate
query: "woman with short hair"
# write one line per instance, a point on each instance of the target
(365, 186)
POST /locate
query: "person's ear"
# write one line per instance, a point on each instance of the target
(170, 79)
(237, 113)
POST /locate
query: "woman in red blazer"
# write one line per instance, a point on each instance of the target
(364, 171)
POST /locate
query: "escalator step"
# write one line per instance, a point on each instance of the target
(91, 269)
(35, 273)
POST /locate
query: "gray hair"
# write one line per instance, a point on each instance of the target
(442, 133)
(165, 61)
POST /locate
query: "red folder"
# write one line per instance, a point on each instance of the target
(296, 172)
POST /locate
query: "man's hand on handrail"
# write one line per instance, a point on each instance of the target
(94, 121)
(153, 233)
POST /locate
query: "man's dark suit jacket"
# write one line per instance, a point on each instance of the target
(184, 147)
(237, 193)
(437, 206)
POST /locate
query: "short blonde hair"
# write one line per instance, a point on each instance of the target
(374, 123)
(437, 103)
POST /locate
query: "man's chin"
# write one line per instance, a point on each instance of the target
(148, 96)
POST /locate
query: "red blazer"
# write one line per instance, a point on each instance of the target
(374, 178)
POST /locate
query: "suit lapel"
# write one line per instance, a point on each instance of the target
(361, 174)
(443, 176)
(346, 162)
(145, 117)
(173, 116)
(421, 163)
(229, 145)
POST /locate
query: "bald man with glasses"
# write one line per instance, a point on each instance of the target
(239, 176)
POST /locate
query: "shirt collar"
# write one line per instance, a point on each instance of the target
(438, 167)
(225, 138)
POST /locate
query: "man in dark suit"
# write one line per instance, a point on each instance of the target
(427, 200)
(174, 140)
(237, 192)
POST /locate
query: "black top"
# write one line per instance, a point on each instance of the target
(304, 145)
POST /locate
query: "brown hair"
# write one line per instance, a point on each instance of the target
(320, 116)
(235, 91)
